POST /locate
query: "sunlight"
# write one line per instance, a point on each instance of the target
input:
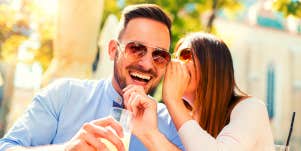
(16, 4)
(49, 6)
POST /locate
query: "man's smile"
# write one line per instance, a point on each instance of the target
(140, 77)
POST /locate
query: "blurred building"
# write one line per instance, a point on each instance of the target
(108, 32)
(266, 49)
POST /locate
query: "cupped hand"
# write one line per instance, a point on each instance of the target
(144, 110)
(88, 138)
(175, 82)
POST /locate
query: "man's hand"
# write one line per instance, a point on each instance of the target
(144, 110)
(145, 120)
(88, 138)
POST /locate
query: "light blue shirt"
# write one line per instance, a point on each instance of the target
(59, 111)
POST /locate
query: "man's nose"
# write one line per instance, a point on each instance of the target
(147, 61)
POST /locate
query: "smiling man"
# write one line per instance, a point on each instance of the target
(142, 54)
(73, 114)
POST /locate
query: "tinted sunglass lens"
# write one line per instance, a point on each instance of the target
(161, 57)
(185, 55)
(136, 50)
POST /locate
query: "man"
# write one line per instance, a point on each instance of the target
(73, 114)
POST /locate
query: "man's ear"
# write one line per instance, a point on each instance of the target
(113, 47)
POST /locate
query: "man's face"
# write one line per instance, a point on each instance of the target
(142, 70)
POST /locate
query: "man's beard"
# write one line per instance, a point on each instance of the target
(121, 80)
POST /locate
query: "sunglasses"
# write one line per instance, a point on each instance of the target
(135, 50)
(184, 54)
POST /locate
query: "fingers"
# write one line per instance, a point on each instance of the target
(93, 141)
(132, 95)
(178, 69)
(110, 121)
(90, 135)
(104, 133)
(131, 90)
(176, 80)
(138, 103)
(172, 68)
(127, 93)
(133, 102)
(136, 100)
(138, 88)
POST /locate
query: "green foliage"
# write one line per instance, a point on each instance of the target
(110, 7)
(15, 29)
(186, 14)
(288, 7)
(10, 38)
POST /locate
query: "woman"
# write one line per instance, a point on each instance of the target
(208, 109)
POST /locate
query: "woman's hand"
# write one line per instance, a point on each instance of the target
(175, 83)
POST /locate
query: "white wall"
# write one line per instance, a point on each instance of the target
(253, 49)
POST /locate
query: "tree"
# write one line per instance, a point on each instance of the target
(75, 39)
(10, 36)
(16, 29)
(288, 7)
(186, 14)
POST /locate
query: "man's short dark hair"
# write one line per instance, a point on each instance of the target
(150, 11)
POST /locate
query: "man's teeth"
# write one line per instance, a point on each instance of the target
(141, 76)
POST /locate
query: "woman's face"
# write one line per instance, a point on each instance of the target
(186, 53)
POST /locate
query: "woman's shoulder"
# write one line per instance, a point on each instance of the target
(250, 101)
(250, 106)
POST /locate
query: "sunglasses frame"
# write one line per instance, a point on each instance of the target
(123, 46)
(177, 55)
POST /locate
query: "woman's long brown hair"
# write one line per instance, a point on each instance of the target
(217, 92)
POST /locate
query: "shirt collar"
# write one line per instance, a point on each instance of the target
(114, 95)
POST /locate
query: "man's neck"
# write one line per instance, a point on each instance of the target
(116, 86)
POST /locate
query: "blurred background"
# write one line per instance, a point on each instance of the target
(41, 41)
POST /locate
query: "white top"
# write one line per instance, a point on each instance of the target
(248, 130)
